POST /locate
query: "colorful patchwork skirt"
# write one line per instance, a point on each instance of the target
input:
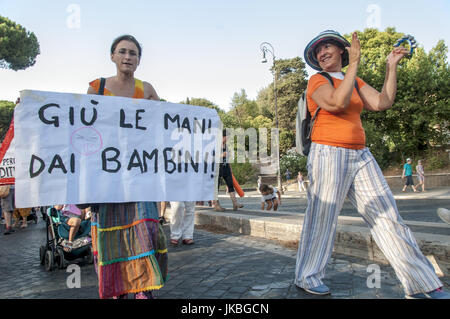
(130, 251)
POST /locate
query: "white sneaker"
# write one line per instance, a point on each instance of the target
(444, 214)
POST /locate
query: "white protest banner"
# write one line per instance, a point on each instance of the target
(81, 148)
(7, 163)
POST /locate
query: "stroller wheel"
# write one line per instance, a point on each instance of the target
(60, 259)
(49, 260)
(42, 251)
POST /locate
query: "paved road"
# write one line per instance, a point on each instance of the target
(218, 265)
(412, 206)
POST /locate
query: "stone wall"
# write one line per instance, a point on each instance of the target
(431, 180)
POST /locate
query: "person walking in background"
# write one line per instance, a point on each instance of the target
(340, 166)
(407, 172)
(301, 182)
(226, 174)
(288, 175)
(129, 244)
(182, 222)
(420, 175)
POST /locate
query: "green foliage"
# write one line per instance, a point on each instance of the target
(291, 80)
(6, 115)
(287, 141)
(244, 172)
(418, 120)
(202, 102)
(437, 160)
(242, 108)
(259, 122)
(294, 162)
(266, 103)
(229, 121)
(18, 47)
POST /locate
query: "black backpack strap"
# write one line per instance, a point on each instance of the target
(313, 118)
(357, 86)
(101, 89)
(328, 77)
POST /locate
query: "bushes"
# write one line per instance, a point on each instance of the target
(6, 115)
(244, 172)
(436, 160)
(294, 162)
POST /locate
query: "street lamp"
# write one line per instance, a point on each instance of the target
(266, 47)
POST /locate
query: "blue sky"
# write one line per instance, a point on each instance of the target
(196, 48)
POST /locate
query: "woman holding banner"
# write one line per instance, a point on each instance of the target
(128, 241)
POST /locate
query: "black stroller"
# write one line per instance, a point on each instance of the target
(52, 253)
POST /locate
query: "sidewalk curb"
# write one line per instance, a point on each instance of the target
(437, 193)
(350, 240)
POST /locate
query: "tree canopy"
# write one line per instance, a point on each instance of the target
(419, 118)
(6, 115)
(18, 47)
(291, 82)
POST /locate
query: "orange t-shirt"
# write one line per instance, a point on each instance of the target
(138, 88)
(343, 129)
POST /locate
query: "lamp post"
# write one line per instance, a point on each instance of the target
(267, 47)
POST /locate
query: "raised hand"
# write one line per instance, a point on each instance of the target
(396, 55)
(354, 51)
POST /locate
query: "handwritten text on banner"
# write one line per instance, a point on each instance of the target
(80, 148)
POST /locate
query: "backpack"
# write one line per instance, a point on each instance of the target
(304, 123)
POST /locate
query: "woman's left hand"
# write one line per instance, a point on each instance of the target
(396, 55)
(354, 51)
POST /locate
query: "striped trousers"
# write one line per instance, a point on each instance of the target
(334, 174)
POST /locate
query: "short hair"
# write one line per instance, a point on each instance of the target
(126, 37)
(264, 188)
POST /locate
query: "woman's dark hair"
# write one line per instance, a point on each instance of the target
(126, 37)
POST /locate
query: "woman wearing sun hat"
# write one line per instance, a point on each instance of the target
(340, 166)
